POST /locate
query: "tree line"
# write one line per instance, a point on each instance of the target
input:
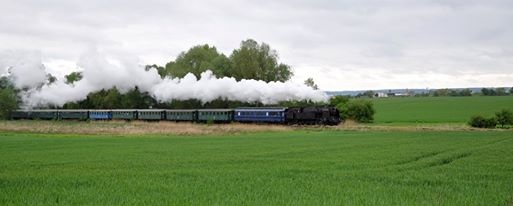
(446, 92)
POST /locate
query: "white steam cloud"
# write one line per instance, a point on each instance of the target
(124, 72)
(23, 67)
(208, 88)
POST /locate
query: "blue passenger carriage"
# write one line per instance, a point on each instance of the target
(260, 114)
(100, 114)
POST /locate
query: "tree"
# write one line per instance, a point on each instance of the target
(135, 99)
(5, 82)
(161, 70)
(441, 92)
(222, 66)
(488, 92)
(339, 99)
(359, 110)
(196, 60)
(9, 101)
(73, 77)
(369, 93)
(258, 61)
(466, 92)
(310, 82)
(112, 100)
(511, 91)
(500, 91)
(504, 117)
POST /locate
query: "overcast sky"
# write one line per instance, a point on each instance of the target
(343, 45)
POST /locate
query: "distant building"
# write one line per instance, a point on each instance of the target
(380, 95)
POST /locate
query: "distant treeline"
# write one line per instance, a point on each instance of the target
(501, 91)
(467, 92)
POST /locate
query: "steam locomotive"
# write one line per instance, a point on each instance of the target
(278, 115)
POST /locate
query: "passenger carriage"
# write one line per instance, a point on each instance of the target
(215, 115)
(181, 115)
(78, 114)
(46, 114)
(124, 114)
(151, 114)
(260, 114)
(100, 114)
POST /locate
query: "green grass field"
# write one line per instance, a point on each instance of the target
(302, 167)
(437, 109)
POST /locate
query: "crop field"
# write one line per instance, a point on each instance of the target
(438, 109)
(305, 167)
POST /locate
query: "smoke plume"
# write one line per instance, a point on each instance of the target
(23, 67)
(124, 72)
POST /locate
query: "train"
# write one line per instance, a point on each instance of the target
(276, 115)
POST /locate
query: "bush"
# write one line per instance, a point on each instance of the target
(482, 122)
(504, 117)
(358, 110)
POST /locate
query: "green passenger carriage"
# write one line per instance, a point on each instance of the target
(181, 114)
(216, 115)
(74, 114)
(125, 114)
(151, 114)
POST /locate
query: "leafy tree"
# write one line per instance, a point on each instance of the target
(196, 60)
(258, 61)
(500, 91)
(112, 100)
(466, 92)
(441, 92)
(161, 70)
(339, 99)
(6, 83)
(504, 117)
(310, 82)
(95, 99)
(488, 92)
(368, 93)
(9, 101)
(222, 66)
(73, 77)
(135, 99)
(358, 110)
(511, 91)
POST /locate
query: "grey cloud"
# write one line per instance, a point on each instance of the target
(449, 37)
